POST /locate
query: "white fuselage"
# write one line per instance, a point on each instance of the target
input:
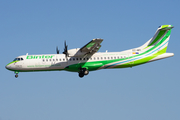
(59, 61)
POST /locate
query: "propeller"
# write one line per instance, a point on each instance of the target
(65, 50)
(57, 50)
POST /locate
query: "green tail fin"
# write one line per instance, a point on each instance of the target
(160, 33)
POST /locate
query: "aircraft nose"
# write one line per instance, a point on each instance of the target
(7, 66)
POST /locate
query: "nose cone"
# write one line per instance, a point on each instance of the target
(7, 66)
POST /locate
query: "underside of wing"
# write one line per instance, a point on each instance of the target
(92, 47)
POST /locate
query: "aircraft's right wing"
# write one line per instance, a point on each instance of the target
(92, 47)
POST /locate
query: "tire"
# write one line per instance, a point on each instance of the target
(81, 74)
(16, 76)
(86, 72)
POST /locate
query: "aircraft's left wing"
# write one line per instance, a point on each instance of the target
(92, 47)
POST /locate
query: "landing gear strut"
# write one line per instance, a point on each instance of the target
(82, 72)
(16, 74)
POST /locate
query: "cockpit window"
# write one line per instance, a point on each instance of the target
(18, 59)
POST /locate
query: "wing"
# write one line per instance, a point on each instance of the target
(92, 47)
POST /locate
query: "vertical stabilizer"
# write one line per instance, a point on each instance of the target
(160, 33)
(160, 39)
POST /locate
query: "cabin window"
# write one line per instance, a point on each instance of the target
(101, 58)
(108, 58)
(104, 57)
(111, 57)
(94, 58)
(49, 59)
(87, 58)
(84, 58)
(59, 59)
(114, 57)
(53, 59)
(90, 58)
(63, 59)
(73, 58)
(118, 57)
(76, 58)
(43, 60)
(21, 58)
(46, 59)
(80, 58)
(98, 58)
(124, 56)
(56, 59)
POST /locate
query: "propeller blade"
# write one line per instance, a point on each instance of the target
(57, 50)
(65, 49)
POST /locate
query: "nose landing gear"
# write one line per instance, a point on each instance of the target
(16, 75)
(16, 72)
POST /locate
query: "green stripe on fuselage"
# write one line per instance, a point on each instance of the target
(12, 62)
(94, 65)
(91, 65)
(143, 60)
(159, 43)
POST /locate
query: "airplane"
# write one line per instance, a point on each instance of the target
(86, 59)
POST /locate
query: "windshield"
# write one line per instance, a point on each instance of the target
(18, 59)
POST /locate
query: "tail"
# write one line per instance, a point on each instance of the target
(160, 40)
(156, 47)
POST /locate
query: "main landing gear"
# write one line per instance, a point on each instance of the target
(16, 74)
(82, 72)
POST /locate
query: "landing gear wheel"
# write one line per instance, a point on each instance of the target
(83, 71)
(86, 72)
(16, 75)
(81, 74)
(16, 72)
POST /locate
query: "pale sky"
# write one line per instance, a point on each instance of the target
(145, 92)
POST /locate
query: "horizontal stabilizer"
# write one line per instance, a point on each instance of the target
(162, 56)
